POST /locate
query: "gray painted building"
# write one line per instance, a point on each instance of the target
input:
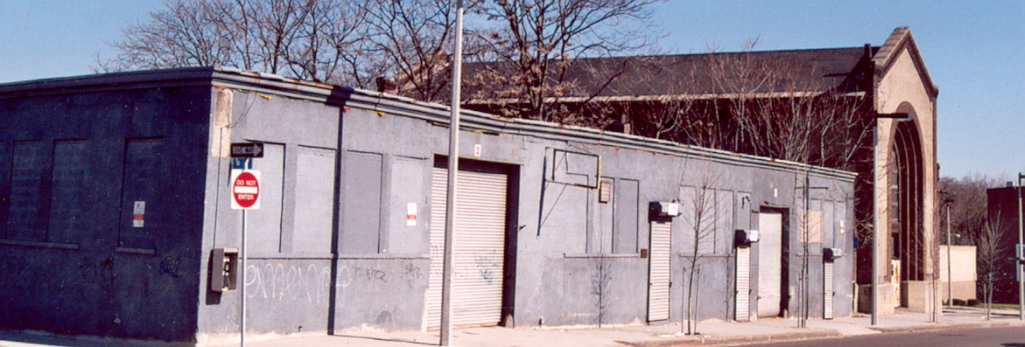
(555, 227)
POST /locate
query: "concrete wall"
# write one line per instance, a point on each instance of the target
(962, 270)
(73, 166)
(577, 261)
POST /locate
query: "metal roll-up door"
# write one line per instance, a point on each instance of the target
(770, 257)
(479, 248)
(827, 279)
(742, 303)
(659, 271)
(432, 300)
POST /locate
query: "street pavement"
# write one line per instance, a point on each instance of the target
(975, 337)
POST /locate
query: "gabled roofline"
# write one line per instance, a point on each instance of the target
(898, 40)
(393, 104)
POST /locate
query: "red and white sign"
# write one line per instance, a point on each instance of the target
(411, 214)
(139, 214)
(245, 190)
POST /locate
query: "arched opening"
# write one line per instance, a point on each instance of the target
(906, 173)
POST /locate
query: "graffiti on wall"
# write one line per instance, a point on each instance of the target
(309, 282)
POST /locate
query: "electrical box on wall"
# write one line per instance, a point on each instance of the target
(664, 209)
(831, 254)
(744, 238)
(223, 269)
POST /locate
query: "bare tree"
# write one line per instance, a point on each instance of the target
(327, 37)
(535, 43)
(415, 36)
(698, 213)
(989, 252)
(318, 40)
(968, 209)
(182, 34)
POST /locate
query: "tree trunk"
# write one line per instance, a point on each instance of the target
(989, 295)
(690, 301)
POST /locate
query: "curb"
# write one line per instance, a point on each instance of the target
(736, 340)
(926, 328)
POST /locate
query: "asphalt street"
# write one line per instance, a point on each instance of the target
(997, 337)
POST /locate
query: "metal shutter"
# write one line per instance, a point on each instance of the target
(659, 271)
(742, 302)
(827, 279)
(432, 300)
(479, 248)
(770, 255)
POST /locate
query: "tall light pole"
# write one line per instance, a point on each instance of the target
(950, 269)
(1019, 255)
(453, 173)
(876, 239)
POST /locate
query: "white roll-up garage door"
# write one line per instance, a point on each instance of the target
(659, 272)
(479, 248)
(770, 256)
(742, 302)
(827, 279)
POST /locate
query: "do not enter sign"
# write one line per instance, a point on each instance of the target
(245, 190)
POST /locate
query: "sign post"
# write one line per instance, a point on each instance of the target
(245, 195)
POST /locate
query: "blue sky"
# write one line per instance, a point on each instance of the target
(975, 52)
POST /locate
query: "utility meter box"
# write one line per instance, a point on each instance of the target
(224, 269)
(664, 209)
(744, 238)
(831, 254)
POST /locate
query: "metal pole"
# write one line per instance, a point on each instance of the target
(242, 287)
(1020, 266)
(807, 236)
(950, 271)
(453, 170)
(876, 244)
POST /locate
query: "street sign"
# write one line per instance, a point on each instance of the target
(247, 150)
(241, 163)
(245, 190)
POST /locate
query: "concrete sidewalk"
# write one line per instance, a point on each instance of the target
(713, 332)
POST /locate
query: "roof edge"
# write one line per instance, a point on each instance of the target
(371, 100)
(898, 40)
(475, 120)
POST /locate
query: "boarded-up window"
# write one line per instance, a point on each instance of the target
(697, 212)
(840, 226)
(406, 233)
(564, 216)
(723, 221)
(143, 168)
(813, 233)
(361, 210)
(604, 222)
(5, 185)
(69, 192)
(828, 234)
(314, 200)
(27, 177)
(263, 226)
(626, 212)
